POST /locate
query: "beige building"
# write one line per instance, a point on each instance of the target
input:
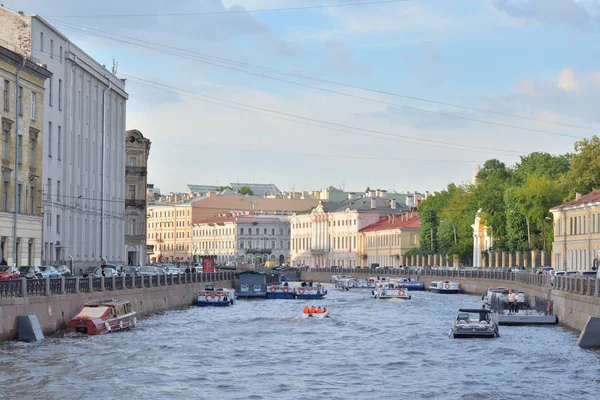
(22, 121)
(137, 150)
(577, 233)
(387, 241)
(171, 218)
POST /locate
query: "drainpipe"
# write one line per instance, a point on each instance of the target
(72, 262)
(17, 103)
(104, 93)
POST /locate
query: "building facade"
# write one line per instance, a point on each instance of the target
(576, 243)
(137, 150)
(483, 241)
(328, 235)
(387, 241)
(243, 238)
(22, 128)
(83, 150)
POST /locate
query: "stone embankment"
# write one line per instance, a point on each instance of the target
(574, 299)
(56, 301)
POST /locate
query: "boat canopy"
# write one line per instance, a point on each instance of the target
(93, 312)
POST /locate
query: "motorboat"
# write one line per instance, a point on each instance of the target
(474, 323)
(498, 290)
(221, 297)
(409, 284)
(391, 291)
(310, 292)
(320, 315)
(445, 287)
(355, 283)
(97, 317)
(337, 278)
(280, 292)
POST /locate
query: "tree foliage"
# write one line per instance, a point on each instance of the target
(428, 231)
(245, 190)
(219, 189)
(584, 172)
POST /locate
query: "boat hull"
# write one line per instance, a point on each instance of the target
(204, 303)
(413, 287)
(446, 291)
(100, 326)
(524, 319)
(280, 295)
(473, 335)
(311, 296)
(317, 316)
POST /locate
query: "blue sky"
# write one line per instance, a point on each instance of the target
(530, 58)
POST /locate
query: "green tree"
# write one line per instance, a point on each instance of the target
(584, 173)
(246, 190)
(428, 231)
(516, 226)
(219, 189)
(447, 235)
(542, 164)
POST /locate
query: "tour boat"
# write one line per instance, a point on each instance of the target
(222, 297)
(409, 284)
(445, 287)
(337, 278)
(391, 291)
(310, 292)
(97, 317)
(316, 315)
(521, 313)
(354, 283)
(280, 292)
(474, 323)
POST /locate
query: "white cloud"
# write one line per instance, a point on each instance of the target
(575, 12)
(568, 80)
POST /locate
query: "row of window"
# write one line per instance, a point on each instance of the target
(7, 194)
(335, 223)
(161, 214)
(6, 99)
(6, 146)
(580, 226)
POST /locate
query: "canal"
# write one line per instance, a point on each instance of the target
(263, 350)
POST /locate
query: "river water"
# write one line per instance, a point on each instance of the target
(262, 350)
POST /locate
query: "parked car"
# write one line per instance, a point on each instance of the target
(48, 271)
(7, 273)
(131, 270)
(109, 271)
(30, 272)
(566, 273)
(588, 274)
(172, 271)
(63, 270)
(149, 270)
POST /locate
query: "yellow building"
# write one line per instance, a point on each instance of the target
(576, 233)
(387, 241)
(22, 117)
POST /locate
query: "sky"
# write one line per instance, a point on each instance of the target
(398, 95)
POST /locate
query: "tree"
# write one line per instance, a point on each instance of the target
(516, 226)
(428, 231)
(584, 172)
(220, 189)
(447, 235)
(246, 190)
(542, 164)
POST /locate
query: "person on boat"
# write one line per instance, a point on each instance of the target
(310, 284)
(187, 269)
(3, 262)
(303, 284)
(319, 310)
(286, 283)
(324, 310)
(313, 310)
(306, 310)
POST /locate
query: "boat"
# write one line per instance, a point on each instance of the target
(322, 315)
(337, 278)
(355, 283)
(409, 284)
(445, 287)
(221, 297)
(310, 292)
(391, 291)
(280, 292)
(97, 317)
(499, 290)
(474, 323)
(522, 313)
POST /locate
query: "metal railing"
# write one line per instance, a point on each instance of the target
(577, 285)
(42, 287)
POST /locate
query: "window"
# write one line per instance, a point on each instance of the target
(6, 96)
(19, 198)
(33, 95)
(5, 189)
(51, 48)
(132, 161)
(42, 41)
(32, 150)
(60, 94)
(265, 231)
(132, 192)
(19, 148)
(58, 224)
(58, 191)
(5, 150)
(258, 231)
(281, 231)
(49, 139)
(50, 91)
(132, 227)
(272, 244)
(20, 100)
(273, 231)
(32, 200)
(49, 188)
(59, 142)
(60, 54)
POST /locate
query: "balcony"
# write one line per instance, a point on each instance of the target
(142, 171)
(135, 203)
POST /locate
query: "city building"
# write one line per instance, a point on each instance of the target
(259, 189)
(243, 238)
(83, 150)
(411, 199)
(137, 150)
(387, 241)
(483, 240)
(327, 235)
(576, 243)
(170, 220)
(152, 192)
(22, 123)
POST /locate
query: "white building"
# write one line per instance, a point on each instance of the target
(328, 234)
(248, 238)
(84, 146)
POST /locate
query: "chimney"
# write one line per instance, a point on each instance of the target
(372, 194)
(383, 194)
(378, 193)
(393, 204)
(350, 196)
(373, 202)
(577, 196)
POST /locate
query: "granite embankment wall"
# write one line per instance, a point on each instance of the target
(572, 309)
(54, 311)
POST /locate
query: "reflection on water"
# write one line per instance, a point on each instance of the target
(264, 350)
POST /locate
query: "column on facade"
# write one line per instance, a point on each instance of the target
(476, 250)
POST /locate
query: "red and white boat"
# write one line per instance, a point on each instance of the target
(97, 317)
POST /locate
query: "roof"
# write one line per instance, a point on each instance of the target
(259, 189)
(244, 218)
(201, 188)
(394, 222)
(588, 198)
(382, 205)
